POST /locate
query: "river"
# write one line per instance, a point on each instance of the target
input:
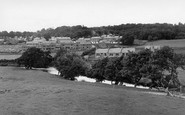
(54, 71)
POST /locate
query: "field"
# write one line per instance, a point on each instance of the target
(171, 43)
(9, 56)
(177, 45)
(32, 92)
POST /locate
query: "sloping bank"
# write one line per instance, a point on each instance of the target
(54, 71)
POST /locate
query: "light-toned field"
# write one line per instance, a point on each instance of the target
(171, 43)
(31, 92)
(177, 45)
(9, 56)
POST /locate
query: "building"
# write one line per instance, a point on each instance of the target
(83, 44)
(2, 41)
(41, 43)
(112, 52)
(125, 51)
(151, 47)
(64, 40)
(101, 53)
(111, 38)
(118, 52)
(115, 52)
(95, 40)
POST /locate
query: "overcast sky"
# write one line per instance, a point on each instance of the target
(33, 15)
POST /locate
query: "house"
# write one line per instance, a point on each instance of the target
(11, 41)
(112, 52)
(68, 46)
(125, 51)
(2, 41)
(83, 44)
(63, 40)
(101, 53)
(152, 48)
(111, 38)
(95, 40)
(41, 43)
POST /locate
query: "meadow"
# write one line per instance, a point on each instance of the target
(177, 45)
(33, 92)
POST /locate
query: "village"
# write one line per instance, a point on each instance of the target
(105, 46)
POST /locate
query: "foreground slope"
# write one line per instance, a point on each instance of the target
(31, 92)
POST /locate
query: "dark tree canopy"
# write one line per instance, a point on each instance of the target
(98, 69)
(35, 57)
(70, 65)
(158, 68)
(127, 38)
(149, 32)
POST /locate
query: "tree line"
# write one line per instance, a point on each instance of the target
(149, 32)
(159, 68)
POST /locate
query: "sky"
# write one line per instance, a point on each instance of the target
(33, 15)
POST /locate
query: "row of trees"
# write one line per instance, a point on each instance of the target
(128, 31)
(158, 67)
(68, 64)
(12, 34)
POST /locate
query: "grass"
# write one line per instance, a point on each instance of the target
(172, 43)
(31, 92)
(178, 45)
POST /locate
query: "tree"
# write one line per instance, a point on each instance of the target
(60, 53)
(139, 65)
(169, 61)
(127, 38)
(71, 65)
(112, 70)
(35, 57)
(98, 69)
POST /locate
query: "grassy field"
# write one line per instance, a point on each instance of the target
(177, 45)
(31, 92)
(172, 43)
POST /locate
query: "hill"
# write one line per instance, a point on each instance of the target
(34, 92)
(178, 45)
(172, 43)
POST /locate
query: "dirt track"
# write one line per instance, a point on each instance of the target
(29, 92)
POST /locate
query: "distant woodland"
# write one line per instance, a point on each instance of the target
(149, 32)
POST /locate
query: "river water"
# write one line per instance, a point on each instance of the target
(54, 71)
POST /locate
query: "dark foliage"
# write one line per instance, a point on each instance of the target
(35, 57)
(98, 70)
(89, 52)
(128, 31)
(70, 65)
(5, 62)
(158, 68)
